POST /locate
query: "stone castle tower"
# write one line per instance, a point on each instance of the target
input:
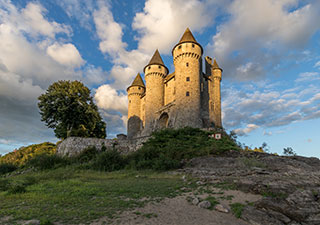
(185, 97)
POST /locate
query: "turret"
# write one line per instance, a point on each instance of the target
(135, 91)
(187, 56)
(215, 95)
(155, 73)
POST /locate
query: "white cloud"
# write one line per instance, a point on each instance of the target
(109, 31)
(33, 17)
(65, 54)
(317, 64)
(308, 76)
(247, 130)
(161, 23)
(109, 99)
(259, 33)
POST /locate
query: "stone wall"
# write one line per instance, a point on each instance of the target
(73, 146)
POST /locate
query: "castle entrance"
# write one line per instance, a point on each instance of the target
(163, 121)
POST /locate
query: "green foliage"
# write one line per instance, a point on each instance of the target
(109, 160)
(16, 188)
(68, 108)
(7, 168)
(213, 201)
(22, 155)
(4, 184)
(289, 151)
(84, 195)
(45, 161)
(237, 209)
(46, 222)
(87, 154)
(169, 147)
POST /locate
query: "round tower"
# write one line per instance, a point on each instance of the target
(187, 56)
(155, 73)
(135, 91)
(216, 80)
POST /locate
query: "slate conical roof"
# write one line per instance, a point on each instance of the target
(137, 82)
(215, 65)
(156, 60)
(187, 37)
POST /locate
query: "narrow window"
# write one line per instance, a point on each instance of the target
(174, 90)
(129, 101)
(201, 87)
(179, 47)
(192, 45)
(159, 67)
(187, 64)
(149, 67)
(188, 78)
(139, 88)
(187, 93)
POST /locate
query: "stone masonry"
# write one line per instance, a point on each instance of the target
(186, 97)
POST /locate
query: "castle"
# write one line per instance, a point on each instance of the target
(185, 97)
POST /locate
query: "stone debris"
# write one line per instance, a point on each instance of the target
(195, 201)
(221, 208)
(204, 204)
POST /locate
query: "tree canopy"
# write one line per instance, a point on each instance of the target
(68, 108)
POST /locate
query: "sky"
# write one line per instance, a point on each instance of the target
(269, 51)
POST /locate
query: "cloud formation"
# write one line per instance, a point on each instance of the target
(265, 31)
(245, 110)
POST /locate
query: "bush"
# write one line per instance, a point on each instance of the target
(4, 184)
(87, 154)
(45, 161)
(109, 161)
(7, 168)
(16, 188)
(168, 148)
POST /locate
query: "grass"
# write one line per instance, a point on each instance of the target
(67, 195)
(213, 201)
(252, 162)
(237, 209)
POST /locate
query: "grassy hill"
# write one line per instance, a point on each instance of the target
(20, 156)
(98, 183)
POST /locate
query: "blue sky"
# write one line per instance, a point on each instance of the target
(269, 51)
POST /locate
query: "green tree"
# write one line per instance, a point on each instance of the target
(68, 108)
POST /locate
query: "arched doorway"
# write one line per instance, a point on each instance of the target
(163, 120)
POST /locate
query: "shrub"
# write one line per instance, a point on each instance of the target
(7, 168)
(4, 184)
(22, 155)
(87, 154)
(16, 188)
(45, 161)
(109, 161)
(169, 147)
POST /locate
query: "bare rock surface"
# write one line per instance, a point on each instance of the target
(290, 184)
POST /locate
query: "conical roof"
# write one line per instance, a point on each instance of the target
(187, 37)
(215, 65)
(156, 60)
(138, 81)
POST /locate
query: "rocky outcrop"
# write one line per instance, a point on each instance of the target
(290, 184)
